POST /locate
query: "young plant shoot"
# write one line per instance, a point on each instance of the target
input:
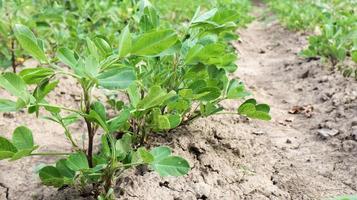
(165, 78)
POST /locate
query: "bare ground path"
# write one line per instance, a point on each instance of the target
(283, 159)
(233, 158)
(299, 162)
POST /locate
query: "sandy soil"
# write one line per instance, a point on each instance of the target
(308, 155)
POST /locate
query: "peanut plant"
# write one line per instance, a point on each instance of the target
(334, 23)
(165, 79)
(81, 167)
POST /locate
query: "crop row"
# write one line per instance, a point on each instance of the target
(334, 24)
(168, 78)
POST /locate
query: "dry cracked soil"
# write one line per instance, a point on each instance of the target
(307, 152)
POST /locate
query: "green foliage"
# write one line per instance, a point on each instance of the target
(29, 42)
(333, 21)
(170, 78)
(347, 197)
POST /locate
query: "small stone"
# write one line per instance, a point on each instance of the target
(325, 133)
(354, 133)
(8, 115)
(288, 141)
(282, 123)
(354, 122)
(289, 120)
(259, 132)
(324, 98)
(305, 74)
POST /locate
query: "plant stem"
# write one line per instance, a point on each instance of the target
(69, 135)
(90, 142)
(50, 154)
(13, 61)
(227, 113)
(60, 107)
(68, 73)
(90, 129)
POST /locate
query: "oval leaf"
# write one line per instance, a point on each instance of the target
(77, 161)
(29, 42)
(154, 42)
(22, 138)
(120, 78)
(171, 166)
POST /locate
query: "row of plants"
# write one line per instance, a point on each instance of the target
(334, 24)
(69, 23)
(169, 78)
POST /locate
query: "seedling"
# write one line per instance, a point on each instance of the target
(170, 79)
(81, 167)
(333, 22)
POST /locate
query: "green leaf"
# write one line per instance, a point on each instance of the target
(67, 57)
(205, 16)
(63, 169)
(103, 46)
(91, 68)
(36, 75)
(208, 94)
(154, 42)
(155, 97)
(99, 108)
(263, 107)
(260, 115)
(105, 150)
(134, 94)
(193, 53)
(345, 197)
(93, 50)
(43, 89)
(120, 78)
(123, 146)
(171, 166)
(250, 109)
(118, 121)
(163, 122)
(14, 85)
(354, 56)
(29, 42)
(125, 42)
(94, 116)
(51, 176)
(7, 105)
(169, 121)
(175, 120)
(209, 109)
(22, 138)
(246, 109)
(160, 153)
(145, 155)
(7, 149)
(77, 162)
(236, 90)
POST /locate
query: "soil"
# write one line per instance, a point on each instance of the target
(308, 151)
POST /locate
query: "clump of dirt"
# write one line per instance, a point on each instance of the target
(232, 157)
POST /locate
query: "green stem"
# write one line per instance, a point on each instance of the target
(50, 154)
(227, 113)
(69, 135)
(13, 59)
(60, 107)
(69, 73)
(131, 164)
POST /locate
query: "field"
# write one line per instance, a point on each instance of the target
(181, 100)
